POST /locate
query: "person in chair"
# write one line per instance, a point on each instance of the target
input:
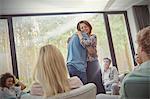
(110, 77)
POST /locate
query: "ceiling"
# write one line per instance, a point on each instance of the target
(49, 6)
(124, 4)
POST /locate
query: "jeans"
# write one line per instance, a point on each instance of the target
(114, 88)
(75, 72)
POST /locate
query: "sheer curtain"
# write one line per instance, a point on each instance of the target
(5, 55)
(142, 16)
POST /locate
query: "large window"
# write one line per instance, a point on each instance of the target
(32, 32)
(5, 55)
(121, 42)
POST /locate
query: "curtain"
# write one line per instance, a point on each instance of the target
(142, 16)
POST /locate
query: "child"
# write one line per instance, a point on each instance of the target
(8, 89)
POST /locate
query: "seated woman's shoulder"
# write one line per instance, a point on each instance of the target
(36, 89)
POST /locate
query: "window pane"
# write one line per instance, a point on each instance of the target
(5, 55)
(121, 42)
(33, 32)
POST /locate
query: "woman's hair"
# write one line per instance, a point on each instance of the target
(143, 40)
(51, 72)
(4, 77)
(85, 22)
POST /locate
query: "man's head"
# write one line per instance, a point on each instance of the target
(107, 63)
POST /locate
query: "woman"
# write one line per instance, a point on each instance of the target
(93, 69)
(51, 75)
(8, 90)
(143, 51)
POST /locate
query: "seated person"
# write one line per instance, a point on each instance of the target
(138, 61)
(8, 88)
(110, 77)
(143, 50)
(50, 74)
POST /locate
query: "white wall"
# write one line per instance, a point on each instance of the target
(132, 21)
(0, 7)
(133, 26)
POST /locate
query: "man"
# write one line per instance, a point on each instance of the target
(110, 77)
(77, 59)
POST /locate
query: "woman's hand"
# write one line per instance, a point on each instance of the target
(79, 32)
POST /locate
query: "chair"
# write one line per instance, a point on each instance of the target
(137, 88)
(87, 91)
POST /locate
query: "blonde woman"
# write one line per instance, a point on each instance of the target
(51, 75)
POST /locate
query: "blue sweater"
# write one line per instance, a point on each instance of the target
(77, 54)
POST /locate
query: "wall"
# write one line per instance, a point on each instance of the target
(133, 26)
(133, 23)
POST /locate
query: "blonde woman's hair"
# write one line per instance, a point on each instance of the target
(51, 72)
(143, 40)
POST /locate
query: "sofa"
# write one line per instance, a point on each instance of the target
(87, 91)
